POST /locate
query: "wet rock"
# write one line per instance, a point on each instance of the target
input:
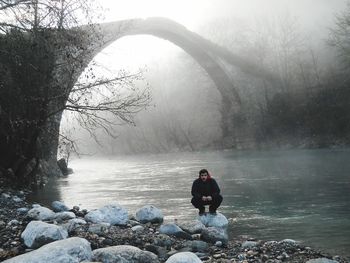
(163, 241)
(192, 227)
(22, 210)
(113, 214)
(69, 250)
(58, 206)
(62, 216)
(41, 213)
(74, 224)
(137, 228)
(214, 220)
(184, 257)
(213, 234)
(149, 213)
(249, 244)
(173, 230)
(38, 233)
(123, 254)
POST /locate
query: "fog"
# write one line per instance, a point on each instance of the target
(286, 37)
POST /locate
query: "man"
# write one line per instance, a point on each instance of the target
(205, 191)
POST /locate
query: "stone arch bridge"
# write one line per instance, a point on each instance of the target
(210, 56)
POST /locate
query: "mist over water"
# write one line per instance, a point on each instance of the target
(272, 195)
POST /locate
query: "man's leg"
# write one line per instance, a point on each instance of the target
(215, 203)
(198, 203)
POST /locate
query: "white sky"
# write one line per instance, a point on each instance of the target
(314, 16)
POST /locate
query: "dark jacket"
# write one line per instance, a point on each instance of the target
(207, 188)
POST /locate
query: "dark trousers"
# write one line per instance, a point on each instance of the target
(213, 204)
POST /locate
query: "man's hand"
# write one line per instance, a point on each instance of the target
(207, 198)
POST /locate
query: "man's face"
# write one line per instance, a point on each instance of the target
(204, 176)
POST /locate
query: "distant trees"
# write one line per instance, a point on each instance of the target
(41, 52)
(340, 36)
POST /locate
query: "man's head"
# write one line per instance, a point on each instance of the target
(204, 175)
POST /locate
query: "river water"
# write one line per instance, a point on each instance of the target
(299, 194)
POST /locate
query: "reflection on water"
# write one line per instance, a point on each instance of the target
(299, 194)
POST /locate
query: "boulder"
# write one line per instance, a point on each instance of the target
(149, 213)
(213, 234)
(113, 214)
(71, 250)
(124, 254)
(192, 227)
(214, 220)
(38, 233)
(184, 257)
(58, 206)
(173, 230)
(41, 213)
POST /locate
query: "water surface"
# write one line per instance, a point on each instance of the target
(298, 194)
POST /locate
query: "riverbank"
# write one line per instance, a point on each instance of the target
(13, 221)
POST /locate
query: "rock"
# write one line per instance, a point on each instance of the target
(58, 206)
(213, 234)
(289, 241)
(74, 224)
(173, 230)
(17, 199)
(149, 213)
(137, 228)
(184, 257)
(192, 227)
(321, 260)
(38, 233)
(41, 213)
(249, 244)
(62, 164)
(112, 214)
(13, 222)
(163, 241)
(99, 228)
(124, 254)
(217, 220)
(197, 245)
(62, 216)
(22, 210)
(218, 244)
(69, 250)
(161, 252)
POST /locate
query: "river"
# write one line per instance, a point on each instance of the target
(299, 194)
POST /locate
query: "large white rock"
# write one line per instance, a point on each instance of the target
(113, 214)
(38, 233)
(214, 220)
(71, 250)
(124, 254)
(149, 213)
(58, 206)
(41, 213)
(321, 260)
(184, 257)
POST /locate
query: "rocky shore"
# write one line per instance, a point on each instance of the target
(33, 233)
